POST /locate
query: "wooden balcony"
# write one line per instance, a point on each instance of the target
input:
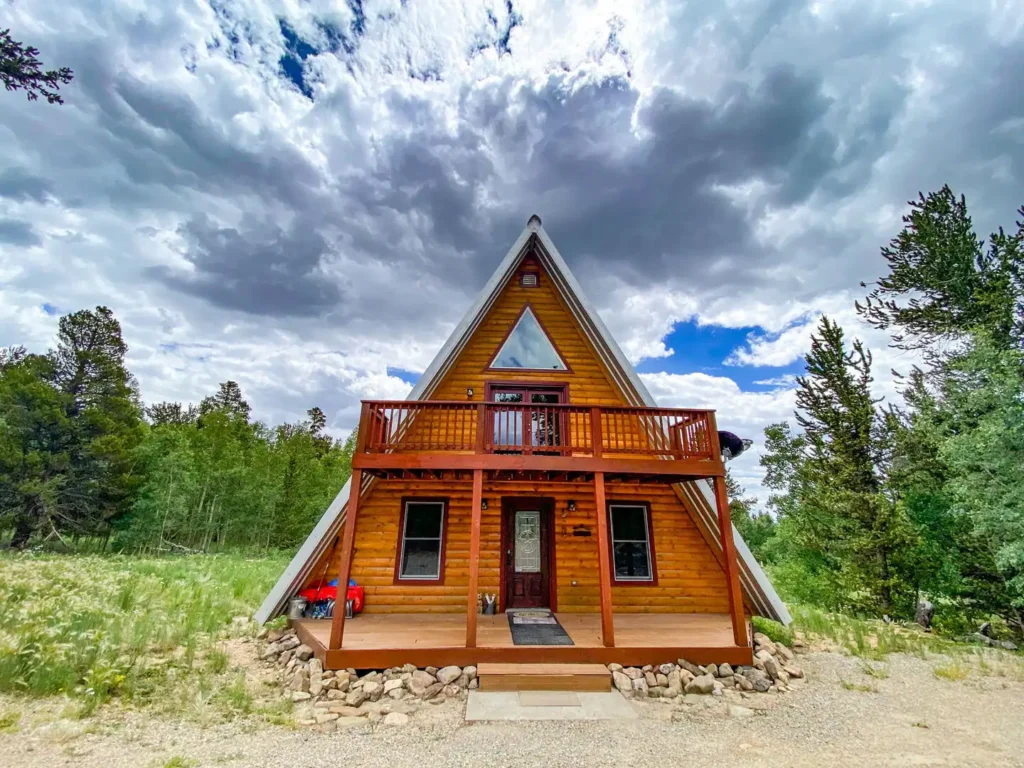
(399, 437)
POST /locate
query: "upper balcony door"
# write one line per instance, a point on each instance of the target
(527, 423)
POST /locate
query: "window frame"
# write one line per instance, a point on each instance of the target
(489, 368)
(651, 554)
(400, 546)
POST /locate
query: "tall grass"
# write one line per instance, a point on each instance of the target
(96, 627)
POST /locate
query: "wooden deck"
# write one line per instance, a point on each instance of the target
(376, 641)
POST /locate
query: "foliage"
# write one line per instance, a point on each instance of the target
(756, 528)
(137, 629)
(775, 631)
(20, 70)
(77, 458)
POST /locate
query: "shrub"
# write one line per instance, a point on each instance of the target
(775, 631)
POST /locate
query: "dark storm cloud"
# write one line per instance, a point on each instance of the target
(18, 233)
(261, 270)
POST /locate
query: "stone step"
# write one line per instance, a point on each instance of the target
(544, 677)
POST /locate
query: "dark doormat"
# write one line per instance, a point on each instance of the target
(536, 627)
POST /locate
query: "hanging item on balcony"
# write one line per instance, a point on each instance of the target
(732, 446)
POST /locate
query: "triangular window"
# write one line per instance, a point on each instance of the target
(529, 347)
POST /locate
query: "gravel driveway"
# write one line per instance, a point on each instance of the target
(911, 718)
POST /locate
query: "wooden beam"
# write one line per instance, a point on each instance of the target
(474, 558)
(604, 571)
(348, 543)
(732, 570)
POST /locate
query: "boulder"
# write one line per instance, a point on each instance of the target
(632, 673)
(762, 640)
(693, 669)
(430, 670)
(667, 669)
(371, 677)
(660, 679)
(760, 680)
(303, 652)
(432, 691)
(373, 690)
(686, 675)
(793, 670)
(393, 685)
(640, 686)
(448, 675)
(742, 683)
(409, 669)
(396, 718)
(650, 679)
(675, 683)
(621, 682)
(356, 697)
(711, 669)
(334, 694)
(422, 679)
(614, 667)
(783, 652)
(469, 672)
(300, 680)
(701, 684)
(725, 670)
(316, 683)
(288, 643)
(775, 670)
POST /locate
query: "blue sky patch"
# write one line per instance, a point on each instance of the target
(409, 377)
(49, 309)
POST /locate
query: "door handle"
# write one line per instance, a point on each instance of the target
(508, 557)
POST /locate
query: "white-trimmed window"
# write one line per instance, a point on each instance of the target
(421, 540)
(632, 549)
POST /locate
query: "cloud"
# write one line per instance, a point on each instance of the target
(302, 196)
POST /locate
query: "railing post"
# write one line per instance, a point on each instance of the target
(732, 574)
(363, 428)
(596, 436)
(604, 554)
(345, 571)
(474, 558)
(481, 427)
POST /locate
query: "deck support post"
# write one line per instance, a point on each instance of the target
(348, 542)
(604, 571)
(732, 571)
(474, 558)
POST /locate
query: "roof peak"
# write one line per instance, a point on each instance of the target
(534, 223)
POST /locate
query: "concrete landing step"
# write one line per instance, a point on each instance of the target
(544, 677)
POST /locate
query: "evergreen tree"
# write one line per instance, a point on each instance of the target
(756, 528)
(228, 399)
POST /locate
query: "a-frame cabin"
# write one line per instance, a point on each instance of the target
(530, 462)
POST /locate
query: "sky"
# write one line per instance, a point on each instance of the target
(305, 195)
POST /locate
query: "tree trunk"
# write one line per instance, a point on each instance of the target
(23, 530)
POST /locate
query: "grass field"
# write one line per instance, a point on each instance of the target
(142, 630)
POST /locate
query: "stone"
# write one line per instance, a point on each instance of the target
(621, 682)
(762, 641)
(334, 694)
(743, 683)
(393, 685)
(432, 691)
(655, 693)
(647, 668)
(1008, 645)
(300, 680)
(303, 652)
(373, 689)
(775, 670)
(462, 681)
(430, 670)
(666, 669)
(301, 696)
(371, 677)
(469, 672)
(632, 673)
(452, 690)
(273, 635)
(711, 669)
(701, 684)
(735, 710)
(725, 670)
(640, 686)
(342, 683)
(758, 678)
(409, 668)
(344, 710)
(686, 675)
(270, 652)
(396, 694)
(660, 679)
(447, 675)
(328, 727)
(326, 717)
(784, 653)
(650, 679)
(288, 643)
(758, 664)
(474, 683)
(614, 667)
(356, 697)
(675, 683)
(422, 679)
(316, 683)
(793, 670)
(693, 669)
(349, 722)
(396, 718)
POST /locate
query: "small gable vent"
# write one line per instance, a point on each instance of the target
(528, 279)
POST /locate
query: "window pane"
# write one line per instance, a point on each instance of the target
(632, 561)
(423, 520)
(629, 523)
(528, 347)
(422, 558)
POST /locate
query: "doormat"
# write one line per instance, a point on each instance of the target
(536, 628)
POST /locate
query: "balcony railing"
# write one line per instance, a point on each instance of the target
(430, 426)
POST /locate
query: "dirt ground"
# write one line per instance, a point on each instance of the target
(841, 717)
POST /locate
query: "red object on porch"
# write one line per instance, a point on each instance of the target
(355, 594)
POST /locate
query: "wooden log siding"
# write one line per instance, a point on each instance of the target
(690, 578)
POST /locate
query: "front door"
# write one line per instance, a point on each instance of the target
(526, 539)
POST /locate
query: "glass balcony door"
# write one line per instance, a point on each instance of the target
(527, 423)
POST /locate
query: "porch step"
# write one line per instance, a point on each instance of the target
(544, 677)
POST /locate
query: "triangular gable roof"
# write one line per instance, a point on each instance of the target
(698, 495)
